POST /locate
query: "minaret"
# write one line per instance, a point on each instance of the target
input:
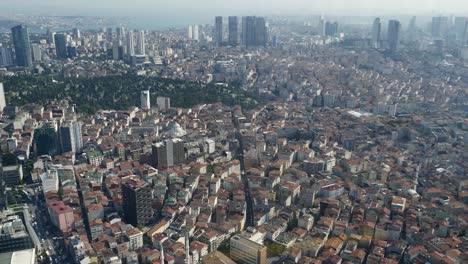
(187, 248)
(161, 252)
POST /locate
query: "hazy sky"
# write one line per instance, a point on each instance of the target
(225, 7)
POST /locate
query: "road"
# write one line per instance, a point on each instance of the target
(240, 155)
(49, 236)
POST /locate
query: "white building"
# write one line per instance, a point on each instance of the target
(196, 33)
(2, 97)
(135, 238)
(50, 181)
(190, 32)
(130, 43)
(145, 100)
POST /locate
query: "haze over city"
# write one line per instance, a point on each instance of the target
(222, 7)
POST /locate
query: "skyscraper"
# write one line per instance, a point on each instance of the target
(196, 33)
(20, 35)
(218, 31)
(61, 46)
(120, 34)
(331, 29)
(130, 44)
(248, 31)
(70, 137)
(439, 27)
(50, 37)
(412, 25)
(190, 32)
(376, 29)
(260, 31)
(109, 34)
(321, 26)
(393, 36)
(137, 200)
(168, 153)
(141, 42)
(233, 31)
(145, 99)
(254, 31)
(36, 52)
(76, 33)
(464, 40)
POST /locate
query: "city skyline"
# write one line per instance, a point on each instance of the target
(214, 133)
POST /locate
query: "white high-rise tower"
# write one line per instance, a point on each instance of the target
(196, 33)
(130, 43)
(190, 32)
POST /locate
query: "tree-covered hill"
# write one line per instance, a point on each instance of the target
(119, 92)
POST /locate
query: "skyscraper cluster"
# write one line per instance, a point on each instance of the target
(193, 33)
(254, 31)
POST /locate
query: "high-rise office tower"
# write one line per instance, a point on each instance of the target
(321, 26)
(76, 33)
(254, 32)
(61, 46)
(130, 43)
(412, 25)
(440, 26)
(248, 31)
(196, 33)
(71, 137)
(233, 31)
(260, 31)
(118, 53)
(20, 35)
(36, 52)
(163, 103)
(141, 42)
(464, 40)
(137, 200)
(50, 37)
(109, 34)
(6, 56)
(190, 32)
(120, 34)
(376, 29)
(218, 31)
(331, 29)
(393, 36)
(460, 27)
(145, 99)
(168, 153)
(2, 97)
